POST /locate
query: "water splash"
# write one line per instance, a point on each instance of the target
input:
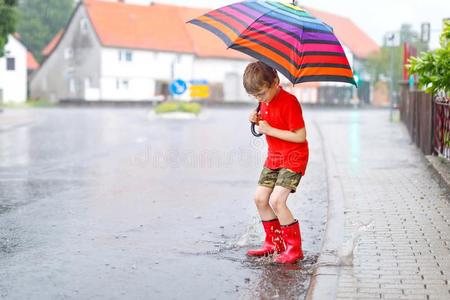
(346, 252)
(251, 233)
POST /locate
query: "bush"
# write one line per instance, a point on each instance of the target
(177, 106)
(28, 104)
(433, 67)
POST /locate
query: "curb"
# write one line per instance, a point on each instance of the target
(324, 281)
(441, 168)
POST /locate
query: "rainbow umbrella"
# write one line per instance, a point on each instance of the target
(284, 36)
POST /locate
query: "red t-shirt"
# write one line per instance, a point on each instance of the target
(285, 112)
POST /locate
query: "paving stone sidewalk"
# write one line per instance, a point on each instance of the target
(404, 251)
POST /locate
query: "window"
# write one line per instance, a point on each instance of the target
(87, 83)
(68, 53)
(128, 56)
(125, 55)
(10, 63)
(84, 25)
(161, 88)
(44, 84)
(72, 86)
(122, 84)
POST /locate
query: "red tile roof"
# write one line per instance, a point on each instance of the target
(140, 27)
(32, 63)
(163, 27)
(49, 48)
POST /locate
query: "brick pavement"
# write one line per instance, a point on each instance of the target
(405, 252)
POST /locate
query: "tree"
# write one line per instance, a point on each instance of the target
(40, 20)
(379, 64)
(8, 19)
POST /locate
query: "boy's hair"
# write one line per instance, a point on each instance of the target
(257, 76)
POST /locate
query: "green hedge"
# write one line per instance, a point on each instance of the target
(178, 106)
(28, 104)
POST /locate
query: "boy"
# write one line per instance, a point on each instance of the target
(280, 119)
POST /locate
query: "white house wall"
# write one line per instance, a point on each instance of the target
(141, 73)
(223, 71)
(72, 69)
(13, 83)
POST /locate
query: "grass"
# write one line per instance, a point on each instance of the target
(28, 104)
(178, 106)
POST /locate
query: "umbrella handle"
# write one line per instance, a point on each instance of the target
(252, 127)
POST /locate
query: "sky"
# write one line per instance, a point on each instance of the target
(375, 17)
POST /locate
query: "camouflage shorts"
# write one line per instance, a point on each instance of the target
(282, 177)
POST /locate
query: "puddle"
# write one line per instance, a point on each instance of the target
(267, 280)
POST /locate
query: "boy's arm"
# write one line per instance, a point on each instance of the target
(298, 136)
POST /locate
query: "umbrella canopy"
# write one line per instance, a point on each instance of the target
(284, 36)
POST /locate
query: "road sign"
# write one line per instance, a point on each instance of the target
(178, 87)
(199, 88)
(425, 32)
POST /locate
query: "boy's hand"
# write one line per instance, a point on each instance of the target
(264, 127)
(254, 117)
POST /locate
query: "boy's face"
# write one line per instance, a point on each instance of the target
(266, 95)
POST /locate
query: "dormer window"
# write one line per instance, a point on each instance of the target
(84, 26)
(125, 55)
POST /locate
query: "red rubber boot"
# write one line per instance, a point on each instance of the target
(293, 244)
(273, 242)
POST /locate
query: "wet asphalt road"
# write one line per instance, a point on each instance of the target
(118, 204)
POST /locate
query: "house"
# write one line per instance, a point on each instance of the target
(123, 50)
(13, 72)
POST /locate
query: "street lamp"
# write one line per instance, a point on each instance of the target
(390, 41)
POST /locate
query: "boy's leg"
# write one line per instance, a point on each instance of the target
(272, 242)
(290, 228)
(262, 196)
(278, 199)
(286, 183)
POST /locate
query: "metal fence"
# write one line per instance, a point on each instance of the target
(427, 120)
(442, 126)
(416, 111)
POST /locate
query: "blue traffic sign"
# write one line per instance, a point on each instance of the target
(198, 82)
(178, 87)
